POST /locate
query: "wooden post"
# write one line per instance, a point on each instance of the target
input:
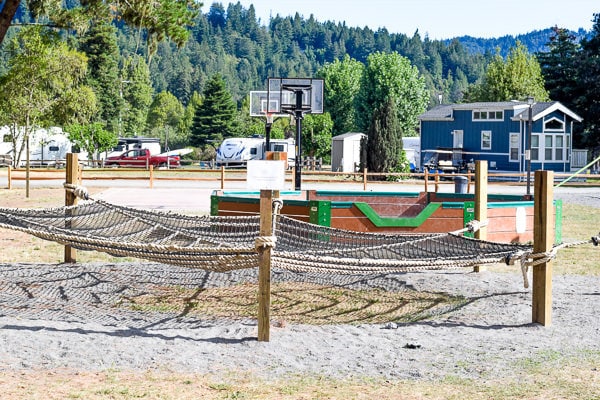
(222, 177)
(437, 182)
(469, 182)
(72, 172)
(9, 177)
(543, 239)
(151, 176)
(426, 177)
(264, 267)
(294, 177)
(481, 200)
(365, 179)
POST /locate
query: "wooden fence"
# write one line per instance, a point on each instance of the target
(221, 177)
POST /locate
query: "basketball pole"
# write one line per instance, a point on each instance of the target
(298, 162)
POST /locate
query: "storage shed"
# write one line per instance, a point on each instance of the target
(345, 151)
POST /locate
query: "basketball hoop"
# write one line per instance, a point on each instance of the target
(269, 116)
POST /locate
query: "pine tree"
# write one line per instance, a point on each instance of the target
(559, 66)
(588, 105)
(100, 45)
(214, 118)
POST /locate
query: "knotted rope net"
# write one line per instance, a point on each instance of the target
(218, 243)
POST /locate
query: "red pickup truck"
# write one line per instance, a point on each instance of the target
(142, 158)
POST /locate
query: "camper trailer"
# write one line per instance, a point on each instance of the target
(236, 152)
(47, 147)
(412, 148)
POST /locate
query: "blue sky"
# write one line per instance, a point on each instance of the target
(440, 19)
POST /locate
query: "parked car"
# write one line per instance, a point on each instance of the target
(142, 158)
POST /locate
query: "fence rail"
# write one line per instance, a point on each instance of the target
(430, 181)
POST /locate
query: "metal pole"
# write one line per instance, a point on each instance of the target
(298, 113)
(528, 155)
(268, 136)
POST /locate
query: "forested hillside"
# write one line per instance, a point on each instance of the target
(229, 40)
(141, 83)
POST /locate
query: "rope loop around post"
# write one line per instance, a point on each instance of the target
(79, 191)
(474, 225)
(277, 206)
(263, 242)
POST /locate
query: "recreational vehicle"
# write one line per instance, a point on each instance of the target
(47, 147)
(238, 151)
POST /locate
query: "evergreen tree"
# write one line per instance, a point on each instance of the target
(384, 139)
(559, 66)
(137, 95)
(214, 118)
(100, 45)
(588, 103)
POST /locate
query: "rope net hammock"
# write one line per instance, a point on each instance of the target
(227, 243)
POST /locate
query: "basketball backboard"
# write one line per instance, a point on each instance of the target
(283, 93)
(262, 103)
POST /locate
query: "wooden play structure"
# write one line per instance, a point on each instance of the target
(510, 217)
(224, 243)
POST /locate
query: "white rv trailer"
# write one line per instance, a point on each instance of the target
(238, 151)
(47, 147)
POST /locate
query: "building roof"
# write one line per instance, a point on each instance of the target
(347, 135)
(444, 112)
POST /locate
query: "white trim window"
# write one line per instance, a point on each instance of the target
(555, 147)
(514, 147)
(488, 115)
(486, 140)
(535, 147)
(554, 125)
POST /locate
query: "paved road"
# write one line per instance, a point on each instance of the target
(194, 196)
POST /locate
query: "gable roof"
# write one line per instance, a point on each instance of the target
(445, 112)
(540, 110)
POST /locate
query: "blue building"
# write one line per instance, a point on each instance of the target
(498, 132)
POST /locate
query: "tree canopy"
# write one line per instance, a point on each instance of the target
(214, 118)
(515, 78)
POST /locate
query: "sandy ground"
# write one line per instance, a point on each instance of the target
(59, 316)
(64, 317)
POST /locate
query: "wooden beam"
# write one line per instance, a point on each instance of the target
(71, 177)
(264, 267)
(481, 201)
(543, 239)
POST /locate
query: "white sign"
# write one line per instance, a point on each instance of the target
(265, 174)
(521, 220)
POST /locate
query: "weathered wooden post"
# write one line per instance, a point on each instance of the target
(426, 177)
(71, 178)
(365, 179)
(264, 267)
(481, 201)
(222, 177)
(9, 177)
(151, 176)
(543, 240)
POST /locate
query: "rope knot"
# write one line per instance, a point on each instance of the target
(79, 191)
(264, 242)
(474, 225)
